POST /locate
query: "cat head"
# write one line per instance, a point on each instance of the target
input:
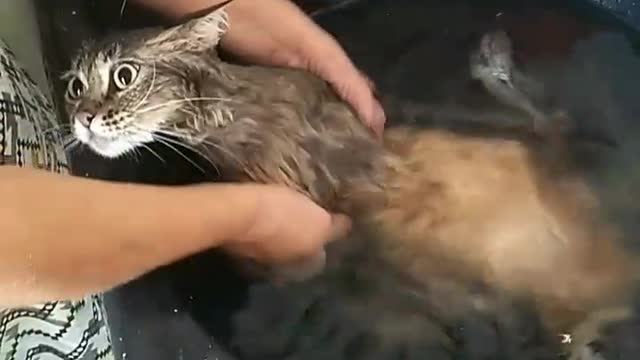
(123, 89)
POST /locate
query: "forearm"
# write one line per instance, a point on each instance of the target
(64, 237)
(178, 9)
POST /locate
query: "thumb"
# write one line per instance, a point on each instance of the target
(309, 266)
(349, 82)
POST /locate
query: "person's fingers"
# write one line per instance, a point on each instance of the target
(312, 265)
(326, 58)
(356, 90)
(320, 53)
(379, 116)
(372, 85)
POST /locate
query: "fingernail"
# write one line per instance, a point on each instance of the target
(379, 113)
(379, 119)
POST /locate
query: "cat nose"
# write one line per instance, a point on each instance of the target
(85, 118)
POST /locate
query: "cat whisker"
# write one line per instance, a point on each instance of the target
(166, 143)
(206, 142)
(171, 67)
(168, 132)
(146, 95)
(69, 138)
(71, 145)
(138, 153)
(153, 152)
(56, 131)
(190, 148)
(230, 154)
(57, 128)
(203, 141)
(188, 112)
(133, 153)
(180, 101)
(122, 7)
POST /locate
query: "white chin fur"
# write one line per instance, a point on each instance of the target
(110, 147)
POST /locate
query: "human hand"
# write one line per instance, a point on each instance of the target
(287, 229)
(276, 32)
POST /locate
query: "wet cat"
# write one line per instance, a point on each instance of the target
(511, 211)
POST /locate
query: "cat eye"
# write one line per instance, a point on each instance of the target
(125, 75)
(75, 88)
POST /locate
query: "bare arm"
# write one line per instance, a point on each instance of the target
(178, 9)
(64, 237)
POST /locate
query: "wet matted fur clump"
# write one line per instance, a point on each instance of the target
(454, 230)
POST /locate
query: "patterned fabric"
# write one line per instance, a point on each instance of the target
(27, 120)
(29, 137)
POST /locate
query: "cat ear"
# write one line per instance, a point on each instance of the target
(196, 35)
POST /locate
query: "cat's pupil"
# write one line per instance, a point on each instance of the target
(76, 87)
(125, 76)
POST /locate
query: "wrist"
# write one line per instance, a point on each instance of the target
(180, 221)
(236, 211)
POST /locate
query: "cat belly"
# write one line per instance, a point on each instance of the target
(481, 210)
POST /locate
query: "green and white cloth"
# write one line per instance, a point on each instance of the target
(28, 137)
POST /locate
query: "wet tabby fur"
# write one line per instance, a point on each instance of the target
(509, 212)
